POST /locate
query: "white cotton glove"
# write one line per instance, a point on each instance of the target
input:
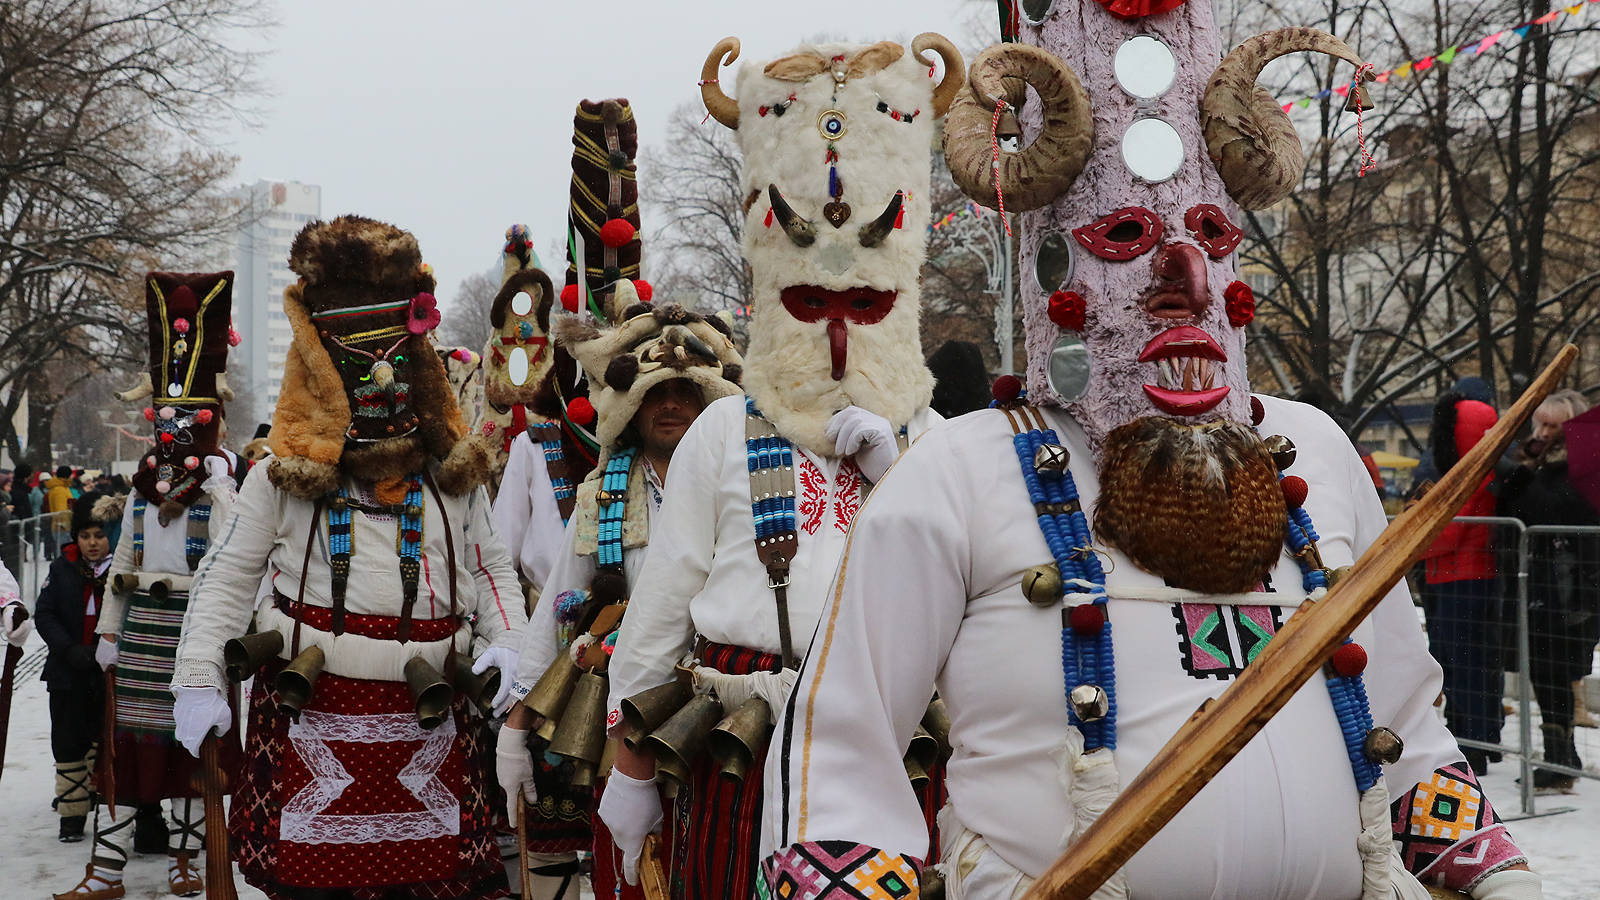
(195, 712)
(631, 809)
(1509, 884)
(734, 690)
(866, 435)
(513, 766)
(13, 630)
(504, 659)
(106, 653)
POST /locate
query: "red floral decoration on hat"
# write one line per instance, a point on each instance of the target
(1133, 9)
(1241, 304)
(1067, 310)
(424, 315)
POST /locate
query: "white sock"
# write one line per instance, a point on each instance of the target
(109, 876)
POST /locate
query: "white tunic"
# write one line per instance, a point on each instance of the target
(525, 512)
(702, 575)
(266, 538)
(930, 596)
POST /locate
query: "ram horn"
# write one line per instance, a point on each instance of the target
(143, 389)
(1248, 136)
(224, 392)
(797, 227)
(955, 68)
(1037, 174)
(873, 233)
(723, 108)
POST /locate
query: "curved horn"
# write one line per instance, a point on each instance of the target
(143, 389)
(955, 68)
(1247, 134)
(873, 233)
(1039, 173)
(797, 227)
(722, 107)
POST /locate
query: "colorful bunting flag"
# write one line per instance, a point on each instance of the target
(1423, 64)
(1547, 18)
(1521, 31)
(1402, 71)
(1448, 56)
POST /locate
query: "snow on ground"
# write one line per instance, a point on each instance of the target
(1564, 847)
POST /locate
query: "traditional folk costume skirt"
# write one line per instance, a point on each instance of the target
(356, 797)
(150, 765)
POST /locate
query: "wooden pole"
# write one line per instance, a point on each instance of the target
(219, 858)
(1219, 729)
(107, 782)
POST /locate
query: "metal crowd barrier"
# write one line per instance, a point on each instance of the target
(26, 547)
(1535, 618)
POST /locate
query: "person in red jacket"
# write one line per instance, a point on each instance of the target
(1463, 609)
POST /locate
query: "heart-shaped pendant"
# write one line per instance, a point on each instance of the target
(836, 212)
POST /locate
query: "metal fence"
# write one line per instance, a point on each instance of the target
(27, 546)
(1512, 613)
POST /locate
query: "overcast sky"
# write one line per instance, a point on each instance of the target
(454, 120)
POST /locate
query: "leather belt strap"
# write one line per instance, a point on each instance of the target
(777, 550)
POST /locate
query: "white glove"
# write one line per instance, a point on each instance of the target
(513, 765)
(195, 712)
(734, 690)
(1509, 884)
(504, 659)
(218, 481)
(106, 653)
(866, 435)
(13, 631)
(631, 809)
(217, 467)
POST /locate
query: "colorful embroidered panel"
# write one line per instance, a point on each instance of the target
(836, 870)
(1448, 833)
(1219, 641)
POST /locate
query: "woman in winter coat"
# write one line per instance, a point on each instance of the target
(1564, 579)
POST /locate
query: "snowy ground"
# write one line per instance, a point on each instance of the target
(1564, 847)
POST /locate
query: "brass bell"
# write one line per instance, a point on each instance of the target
(1042, 585)
(671, 776)
(297, 680)
(479, 689)
(645, 711)
(923, 748)
(929, 885)
(737, 739)
(431, 693)
(682, 738)
(1382, 746)
(581, 736)
(245, 655)
(1051, 459)
(1359, 101)
(552, 691)
(915, 773)
(160, 590)
(1337, 575)
(1282, 451)
(124, 583)
(1089, 701)
(936, 721)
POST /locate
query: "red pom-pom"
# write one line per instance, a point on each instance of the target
(581, 411)
(167, 438)
(1087, 620)
(1067, 310)
(569, 297)
(204, 416)
(1350, 660)
(1294, 491)
(617, 232)
(149, 414)
(1007, 388)
(1241, 303)
(643, 289)
(1257, 411)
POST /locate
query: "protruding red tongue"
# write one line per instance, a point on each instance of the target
(838, 343)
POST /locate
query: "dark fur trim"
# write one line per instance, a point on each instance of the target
(621, 372)
(300, 477)
(1443, 435)
(608, 587)
(733, 372)
(354, 250)
(573, 330)
(387, 459)
(674, 314)
(637, 309)
(466, 468)
(543, 296)
(169, 510)
(717, 323)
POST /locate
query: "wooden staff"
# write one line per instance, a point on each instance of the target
(522, 845)
(8, 683)
(107, 783)
(219, 858)
(1219, 729)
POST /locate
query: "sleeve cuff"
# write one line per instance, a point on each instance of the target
(817, 869)
(198, 673)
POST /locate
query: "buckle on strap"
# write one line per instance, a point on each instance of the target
(776, 580)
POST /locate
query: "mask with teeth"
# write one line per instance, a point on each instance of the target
(835, 139)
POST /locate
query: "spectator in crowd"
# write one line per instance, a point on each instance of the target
(58, 498)
(1462, 598)
(1564, 580)
(22, 492)
(960, 379)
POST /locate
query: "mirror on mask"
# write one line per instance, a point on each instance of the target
(1144, 67)
(1036, 11)
(517, 366)
(1152, 149)
(522, 304)
(1069, 367)
(1052, 268)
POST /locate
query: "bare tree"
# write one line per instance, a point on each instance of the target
(466, 322)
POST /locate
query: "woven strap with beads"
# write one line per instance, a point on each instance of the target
(197, 533)
(560, 468)
(770, 457)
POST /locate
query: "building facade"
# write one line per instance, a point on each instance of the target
(261, 272)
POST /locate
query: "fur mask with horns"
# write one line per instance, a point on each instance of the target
(835, 139)
(363, 389)
(517, 355)
(1136, 155)
(649, 345)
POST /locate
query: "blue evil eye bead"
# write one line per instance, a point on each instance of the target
(832, 124)
(525, 330)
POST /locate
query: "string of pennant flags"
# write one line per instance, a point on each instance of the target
(1466, 49)
(972, 210)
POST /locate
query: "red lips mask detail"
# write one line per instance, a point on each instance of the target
(860, 306)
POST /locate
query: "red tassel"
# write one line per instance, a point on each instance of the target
(769, 217)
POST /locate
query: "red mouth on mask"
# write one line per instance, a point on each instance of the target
(1189, 363)
(858, 305)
